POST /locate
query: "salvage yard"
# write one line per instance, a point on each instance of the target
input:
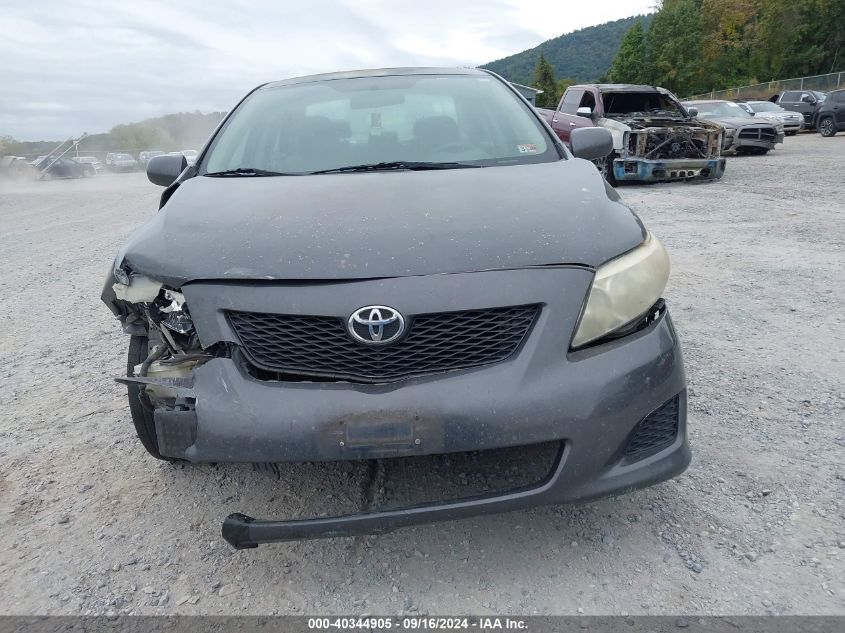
(92, 524)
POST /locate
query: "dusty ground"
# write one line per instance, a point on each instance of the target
(89, 523)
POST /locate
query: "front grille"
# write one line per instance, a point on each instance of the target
(291, 345)
(655, 432)
(761, 133)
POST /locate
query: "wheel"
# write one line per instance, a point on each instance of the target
(142, 416)
(827, 127)
(791, 133)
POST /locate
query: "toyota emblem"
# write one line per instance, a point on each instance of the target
(376, 325)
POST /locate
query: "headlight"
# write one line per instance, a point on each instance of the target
(623, 290)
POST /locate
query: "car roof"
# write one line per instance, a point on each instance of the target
(375, 72)
(708, 101)
(622, 88)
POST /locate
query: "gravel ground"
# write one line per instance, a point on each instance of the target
(90, 524)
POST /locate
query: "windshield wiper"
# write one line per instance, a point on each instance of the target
(247, 171)
(399, 164)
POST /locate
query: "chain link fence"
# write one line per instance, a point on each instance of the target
(764, 91)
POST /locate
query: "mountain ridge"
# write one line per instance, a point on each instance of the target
(583, 55)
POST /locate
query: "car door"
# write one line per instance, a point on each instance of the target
(566, 118)
(791, 100)
(837, 105)
(807, 106)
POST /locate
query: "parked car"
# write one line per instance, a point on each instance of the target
(119, 161)
(744, 134)
(62, 168)
(17, 167)
(190, 155)
(792, 122)
(145, 156)
(830, 117)
(92, 162)
(805, 102)
(654, 137)
(415, 265)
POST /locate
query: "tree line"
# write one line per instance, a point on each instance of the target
(694, 46)
(183, 130)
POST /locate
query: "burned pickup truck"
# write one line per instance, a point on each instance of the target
(654, 137)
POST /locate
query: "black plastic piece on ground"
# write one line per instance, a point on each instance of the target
(236, 531)
(242, 531)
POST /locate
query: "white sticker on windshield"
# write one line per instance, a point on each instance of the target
(527, 148)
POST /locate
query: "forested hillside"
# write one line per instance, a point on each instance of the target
(583, 55)
(184, 130)
(694, 46)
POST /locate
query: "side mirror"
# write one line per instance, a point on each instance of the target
(692, 111)
(585, 112)
(164, 170)
(591, 143)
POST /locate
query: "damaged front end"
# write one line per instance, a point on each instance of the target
(164, 353)
(654, 150)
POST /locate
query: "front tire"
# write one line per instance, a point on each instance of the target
(142, 416)
(827, 127)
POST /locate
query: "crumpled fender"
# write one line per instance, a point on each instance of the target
(617, 131)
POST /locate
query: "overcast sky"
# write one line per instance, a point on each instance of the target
(73, 66)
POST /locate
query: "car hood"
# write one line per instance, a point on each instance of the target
(738, 122)
(384, 224)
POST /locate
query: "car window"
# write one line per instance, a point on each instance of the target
(587, 101)
(571, 99)
(326, 125)
(765, 106)
(720, 109)
(838, 97)
(791, 96)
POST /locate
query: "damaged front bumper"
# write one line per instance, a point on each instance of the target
(644, 170)
(592, 403)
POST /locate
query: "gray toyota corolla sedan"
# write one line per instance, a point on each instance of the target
(396, 263)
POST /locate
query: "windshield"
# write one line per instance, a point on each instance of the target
(324, 125)
(720, 110)
(640, 103)
(766, 106)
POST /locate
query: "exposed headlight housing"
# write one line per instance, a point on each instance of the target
(120, 275)
(176, 316)
(623, 290)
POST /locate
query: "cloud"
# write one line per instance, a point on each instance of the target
(80, 65)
